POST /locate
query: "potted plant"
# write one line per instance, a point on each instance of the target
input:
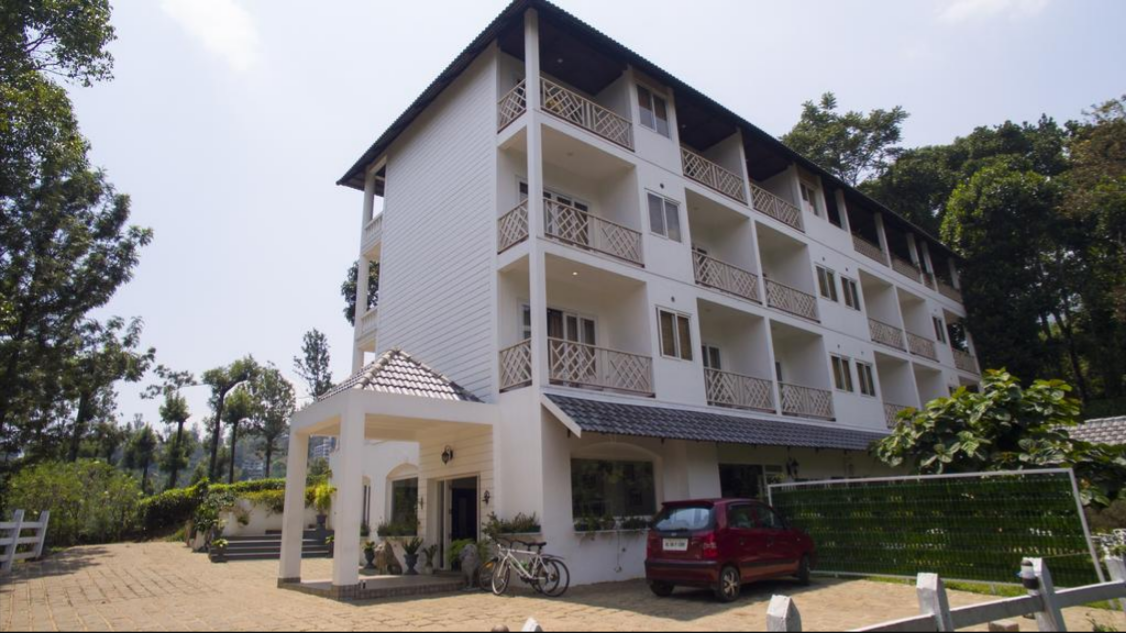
(410, 555)
(635, 524)
(453, 555)
(431, 552)
(369, 554)
(365, 530)
(322, 502)
(608, 524)
(218, 550)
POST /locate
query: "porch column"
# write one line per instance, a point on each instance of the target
(348, 479)
(362, 272)
(882, 234)
(293, 518)
(537, 282)
(842, 208)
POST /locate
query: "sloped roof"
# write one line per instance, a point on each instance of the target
(611, 418)
(398, 372)
(1104, 431)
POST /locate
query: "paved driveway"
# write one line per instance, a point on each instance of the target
(161, 586)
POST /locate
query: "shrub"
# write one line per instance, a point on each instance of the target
(170, 509)
(522, 524)
(393, 530)
(453, 556)
(272, 500)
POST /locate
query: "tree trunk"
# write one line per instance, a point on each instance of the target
(82, 418)
(177, 443)
(212, 471)
(145, 477)
(234, 443)
(1073, 355)
(269, 456)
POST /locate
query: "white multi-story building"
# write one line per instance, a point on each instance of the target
(600, 290)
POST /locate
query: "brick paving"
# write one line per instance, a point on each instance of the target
(162, 586)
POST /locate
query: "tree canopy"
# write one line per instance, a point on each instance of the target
(348, 289)
(313, 364)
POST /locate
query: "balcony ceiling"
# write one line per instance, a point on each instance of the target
(568, 56)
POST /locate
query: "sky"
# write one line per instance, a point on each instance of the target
(229, 122)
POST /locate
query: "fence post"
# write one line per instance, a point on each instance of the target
(782, 615)
(1038, 581)
(933, 601)
(10, 556)
(531, 626)
(44, 516)
(1116, 565)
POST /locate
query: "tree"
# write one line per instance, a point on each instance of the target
(853, 146)
(276, 403)
(106, 439)
(175, 457)
(141, 450)
(222, 380)
(66, 38)
(313, 365)
(174, 411)
(241, 407)
(348, 289)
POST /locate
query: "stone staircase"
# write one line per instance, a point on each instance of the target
(268, 546)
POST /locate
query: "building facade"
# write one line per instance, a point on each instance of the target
(600, 290)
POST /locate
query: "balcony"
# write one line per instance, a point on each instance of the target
(712, 176)
(921, 346)
(806, 402)
(966, 362)
(722, 276)
(777, 208)
(885, 334)
(512, 227)
(583, 112)
(864, 247)
(791, 300)
(727, 389)
(516, 366)
(891, 413)
(928, 281)
(571, 226)
(373, 234)
(948, 291)
(368, 324)
(581, 365)
(906, 268)
(512, 105)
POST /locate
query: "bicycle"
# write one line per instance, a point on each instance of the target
(547, 575)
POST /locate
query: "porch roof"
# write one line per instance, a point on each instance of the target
(1110, 431)
(397, 372)
(614, 418)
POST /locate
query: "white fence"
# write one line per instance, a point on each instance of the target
(14, 539)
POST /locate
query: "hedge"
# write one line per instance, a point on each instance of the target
(171, 509)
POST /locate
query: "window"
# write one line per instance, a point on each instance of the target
(569, 326)
(739, 518)
(654, 111)
(404, 502)
(827, 281)
(739, 481)
(842, 373)
(867, 379)
(766, 519)
(526, 323)
(809, 198)
(548, 194)
(664, 217)
(676, 335)
(939, 329)
(615, 488)
(711, 357)
(851, 293)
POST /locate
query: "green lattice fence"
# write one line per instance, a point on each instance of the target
(965, 528)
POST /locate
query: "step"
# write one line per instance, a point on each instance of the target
(275, 556)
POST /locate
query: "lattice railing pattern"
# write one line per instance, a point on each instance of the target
(512, 227)
(581, 365)
(578, 228)
(791, 300)
(806, 401)
(777, 208)
(712, 175)
(905, 268)
(586, 114)
(516, 366)
(886, 334)
(966, 361)
(512, 105)
(921, 346)
(948, 291)
(891, 413)
(864, 247)
(734, 390)
(720, 275)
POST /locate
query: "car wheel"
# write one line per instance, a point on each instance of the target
(661, 589)
(804, 571)
(730, 585)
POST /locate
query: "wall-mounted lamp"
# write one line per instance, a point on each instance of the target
(447, 456)
(421, 503)
(488, 497)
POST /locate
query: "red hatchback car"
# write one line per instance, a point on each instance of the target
(723, 545)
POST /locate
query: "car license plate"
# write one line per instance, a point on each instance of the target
(676, 545)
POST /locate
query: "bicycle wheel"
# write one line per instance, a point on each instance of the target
(502, 574)
(556, 580)
(485, 574)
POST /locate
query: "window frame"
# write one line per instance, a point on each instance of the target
(651, 107)
(650, 502)
(842, 364)
(940, 329)
(666, 203)
(391, 514)
(679, 349)
(850, 288)
(707, 352)
(804, 189)
(866, 378)
(826, 275)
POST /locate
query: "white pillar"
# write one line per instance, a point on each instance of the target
(925, 262)
(883, 237)
(362, 272)
(293, 521)
(537, 282)
(955, 278)
(842, 208)
(348, 479)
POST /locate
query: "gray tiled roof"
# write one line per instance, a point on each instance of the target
(613, 418)
(1105, 431)
(397, 372)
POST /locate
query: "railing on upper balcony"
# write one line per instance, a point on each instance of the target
(928, 280)
(921, 346)
(791, 300)
(864, 247)
(712, 175)
(581, 365)
(728, 389)
(579, 228)
(373, 233)
(966, 361)
(586, 114)
(512, 227)
(886, 334)
(891, 413)
(516, 366)
(948, 291)
(777, 208)
(368, 322)
(720, 275)
(905, 268)
(806, 401)
(512, 105)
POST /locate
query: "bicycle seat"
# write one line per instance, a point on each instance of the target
(538, 546)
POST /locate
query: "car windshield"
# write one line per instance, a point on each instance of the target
(684, 518)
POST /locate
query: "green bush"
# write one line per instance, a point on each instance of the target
(90, 501)
(170, 509)
(202, 503)
(393, 530)
(272, 500)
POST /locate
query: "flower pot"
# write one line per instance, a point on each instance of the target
(321, 520)
(369, 556)
(410, 560)
(428, 569)
(218, 554)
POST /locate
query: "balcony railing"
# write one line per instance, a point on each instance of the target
(368, 322)
(966, 362)
(579, 228)
(712, 175)
(373, 233)
(886, 334)
(777, 208)
(806, 402)
(905, 268)
(586, 114)
(516, 366)
(791, 300)
(512, 227)
(720, 275)
(864, 247)
(512, 105)
(891, 413)
(948, 291)
(928, 280)
(734, 390)
(581, 365)
(921, 346)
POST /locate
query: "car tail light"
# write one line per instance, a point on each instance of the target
(654, 547)
(709, 549)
